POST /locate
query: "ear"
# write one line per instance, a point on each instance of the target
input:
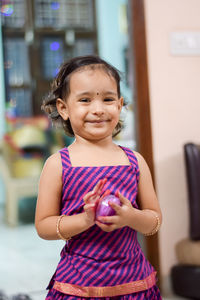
(121, 101)
(62, 108)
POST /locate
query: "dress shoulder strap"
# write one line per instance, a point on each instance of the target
(64, 153)
(133, 160)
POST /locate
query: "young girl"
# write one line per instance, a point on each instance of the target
(101, 257)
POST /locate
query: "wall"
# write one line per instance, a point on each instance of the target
(175, 109)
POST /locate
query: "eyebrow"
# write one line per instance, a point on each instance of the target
(104, 93)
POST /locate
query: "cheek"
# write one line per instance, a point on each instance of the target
(115, 110)
(76, 112)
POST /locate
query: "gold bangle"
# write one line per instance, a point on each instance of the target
(58, 229)
(157, 225)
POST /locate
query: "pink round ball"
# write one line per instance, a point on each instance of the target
(103, 207)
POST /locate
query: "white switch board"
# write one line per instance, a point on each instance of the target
(185, 43)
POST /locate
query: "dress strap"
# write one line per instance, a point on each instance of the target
(64, 153)
(133, 160)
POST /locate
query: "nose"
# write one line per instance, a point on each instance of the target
(97, 107)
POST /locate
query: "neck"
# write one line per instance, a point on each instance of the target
(102, 143)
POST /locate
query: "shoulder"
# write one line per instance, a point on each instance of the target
(142, 164)
(51, 176)
(134, 156)
(53, 164)
(54, 159)
(64, 155)
(139, 157)
(131, 155)
(50, 183)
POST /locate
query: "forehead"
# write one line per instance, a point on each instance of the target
(95, 75)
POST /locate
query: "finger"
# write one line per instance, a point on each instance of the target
(106, 193)
(95, 193)
(98, 187)
(89, 206)
(104, 227)
(103, 181)
(116, 207)
(88, 196)
(107, 219)
(123, 199)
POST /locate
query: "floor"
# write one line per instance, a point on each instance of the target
(28, 262)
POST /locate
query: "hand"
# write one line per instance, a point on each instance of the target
(91, 199)
(120, 219)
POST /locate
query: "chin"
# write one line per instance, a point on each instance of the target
(99, 137)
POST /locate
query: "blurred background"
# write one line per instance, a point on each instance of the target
(156, 45)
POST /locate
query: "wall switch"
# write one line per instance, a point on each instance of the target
(185, 43)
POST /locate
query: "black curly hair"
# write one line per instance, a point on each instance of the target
(60, 88)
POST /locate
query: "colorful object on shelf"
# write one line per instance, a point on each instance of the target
(25, 148)
(13, 13)
(20, 163)
(28, 136)
(7, 9)
(41, 122)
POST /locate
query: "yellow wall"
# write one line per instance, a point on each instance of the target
(175, 111)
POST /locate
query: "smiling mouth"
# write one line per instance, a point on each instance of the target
(97, 121)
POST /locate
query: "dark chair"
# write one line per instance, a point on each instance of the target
(185, 276)
(192, 161)
(186, 281)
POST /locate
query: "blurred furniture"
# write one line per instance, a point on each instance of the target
(21, 162)
(192, 160)
(186, 280)
(23, 152)
(186, 275)
(16, 188)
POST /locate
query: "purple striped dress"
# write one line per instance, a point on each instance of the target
(96, 264)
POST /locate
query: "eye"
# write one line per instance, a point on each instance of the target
(86, 100)
(108, 100)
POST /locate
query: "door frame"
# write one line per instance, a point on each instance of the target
(143, 113)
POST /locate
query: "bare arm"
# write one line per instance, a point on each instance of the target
(49, 201)
(142, 219)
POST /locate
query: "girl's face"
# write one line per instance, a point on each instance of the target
(93, 106)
